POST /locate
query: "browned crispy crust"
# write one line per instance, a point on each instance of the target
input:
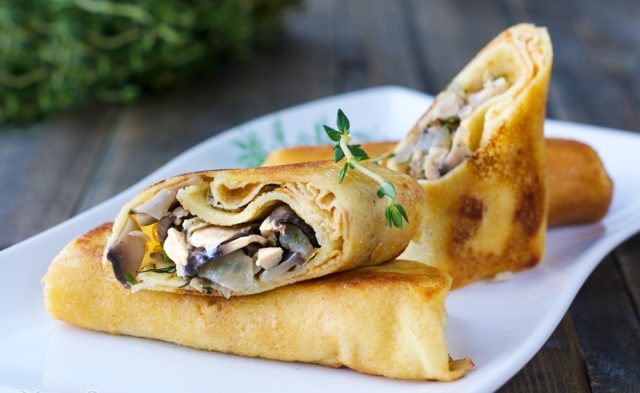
(349, 213)
(580, 190)
(294, 154)
(382, 320)
(488, 215)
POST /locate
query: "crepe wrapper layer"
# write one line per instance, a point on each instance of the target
(579, 188)
(488, 214)
(348, 218)
(384, 320)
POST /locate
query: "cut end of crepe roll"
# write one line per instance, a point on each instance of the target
(464, 116)
(479, 154)
(384, 320)
(236, 232)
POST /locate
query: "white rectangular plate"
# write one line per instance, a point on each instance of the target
(499, 326)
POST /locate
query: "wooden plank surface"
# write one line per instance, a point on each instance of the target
(609, 330)
(155, 130)
(44, 169)
(558, 367)
(332, 46)
(593, 53)
(468, 26)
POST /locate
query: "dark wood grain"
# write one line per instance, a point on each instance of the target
(70, 163)
(609, 331)
(560, 353)
(158, 128)
(375, 47)
(43, 170)
(582, 88)
(628, 258)
(448, 35)
(591, 83)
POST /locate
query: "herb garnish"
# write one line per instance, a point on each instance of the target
(394, 213)
(208, 290)
(130, 279)
(168, 269)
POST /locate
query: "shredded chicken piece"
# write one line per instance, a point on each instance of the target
(435, 151)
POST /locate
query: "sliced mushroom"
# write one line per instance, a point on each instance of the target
(127, 252)
(241, 242)
(295, 240)
(193, 224)
(269, 257)
(158, 205)
(163, 226)
(202, 255)
(282, 215)
(145, 219)
(233, 271)
(292, 261)
(177, 249)
(198, 257)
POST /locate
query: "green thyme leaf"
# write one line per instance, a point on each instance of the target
(396, 217)
(358, 153)
(387, 215)
(168, 269)
(402, 212)
(338, 154)
(208, 290)
(130, 279)
(386, 189)
(343, 122)
(343, 172)
(394, 212)
(332, 134)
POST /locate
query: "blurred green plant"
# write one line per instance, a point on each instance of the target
(56, 53)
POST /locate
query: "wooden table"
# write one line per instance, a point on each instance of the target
(54, 170)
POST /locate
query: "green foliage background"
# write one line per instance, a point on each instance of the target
(56, 53)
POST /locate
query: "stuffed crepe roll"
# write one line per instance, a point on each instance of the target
(580, 190)
(245, 231)
(479, 154)
(384, 320)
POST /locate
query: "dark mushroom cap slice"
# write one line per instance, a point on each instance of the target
(285, 215)
(199, 256)
(127, 252)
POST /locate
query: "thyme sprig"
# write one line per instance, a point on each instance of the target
(394, 212)
(168, 269)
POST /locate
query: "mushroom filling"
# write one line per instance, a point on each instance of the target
(186, 252)
(435, 151)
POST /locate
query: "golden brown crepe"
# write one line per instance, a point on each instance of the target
(244, 231)
(479, 154)
(384, 320)
(296, 154)
(579, 188)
